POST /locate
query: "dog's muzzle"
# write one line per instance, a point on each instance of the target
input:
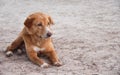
(47, 34)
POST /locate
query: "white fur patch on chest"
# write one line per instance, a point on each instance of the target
(38, 49)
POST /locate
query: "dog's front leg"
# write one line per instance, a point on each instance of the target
(54, 58)
(35, 59)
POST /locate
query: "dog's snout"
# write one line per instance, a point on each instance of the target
(49, 34)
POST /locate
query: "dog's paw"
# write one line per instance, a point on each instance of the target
(9, 53)
(57, 64)
(19, 52)
(45, 65)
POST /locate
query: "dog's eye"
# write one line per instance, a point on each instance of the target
(39, 24)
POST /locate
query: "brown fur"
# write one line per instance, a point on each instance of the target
(31, 36)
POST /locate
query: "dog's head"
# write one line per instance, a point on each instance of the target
(39, 25)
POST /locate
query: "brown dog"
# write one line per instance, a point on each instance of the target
(36, 35)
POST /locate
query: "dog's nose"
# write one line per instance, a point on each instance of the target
(49, 34)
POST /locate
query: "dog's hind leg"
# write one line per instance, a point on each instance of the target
(14, 45)
(21, 49)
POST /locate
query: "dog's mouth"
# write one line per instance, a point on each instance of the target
(43, 37)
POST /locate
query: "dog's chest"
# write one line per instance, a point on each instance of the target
(37, 49)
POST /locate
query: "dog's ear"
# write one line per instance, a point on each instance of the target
(28, 22)
(50, 20)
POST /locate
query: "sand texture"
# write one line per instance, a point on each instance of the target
(86, 36)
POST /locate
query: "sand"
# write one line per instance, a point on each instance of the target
(86, 36)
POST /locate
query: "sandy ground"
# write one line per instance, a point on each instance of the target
(86, 36)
